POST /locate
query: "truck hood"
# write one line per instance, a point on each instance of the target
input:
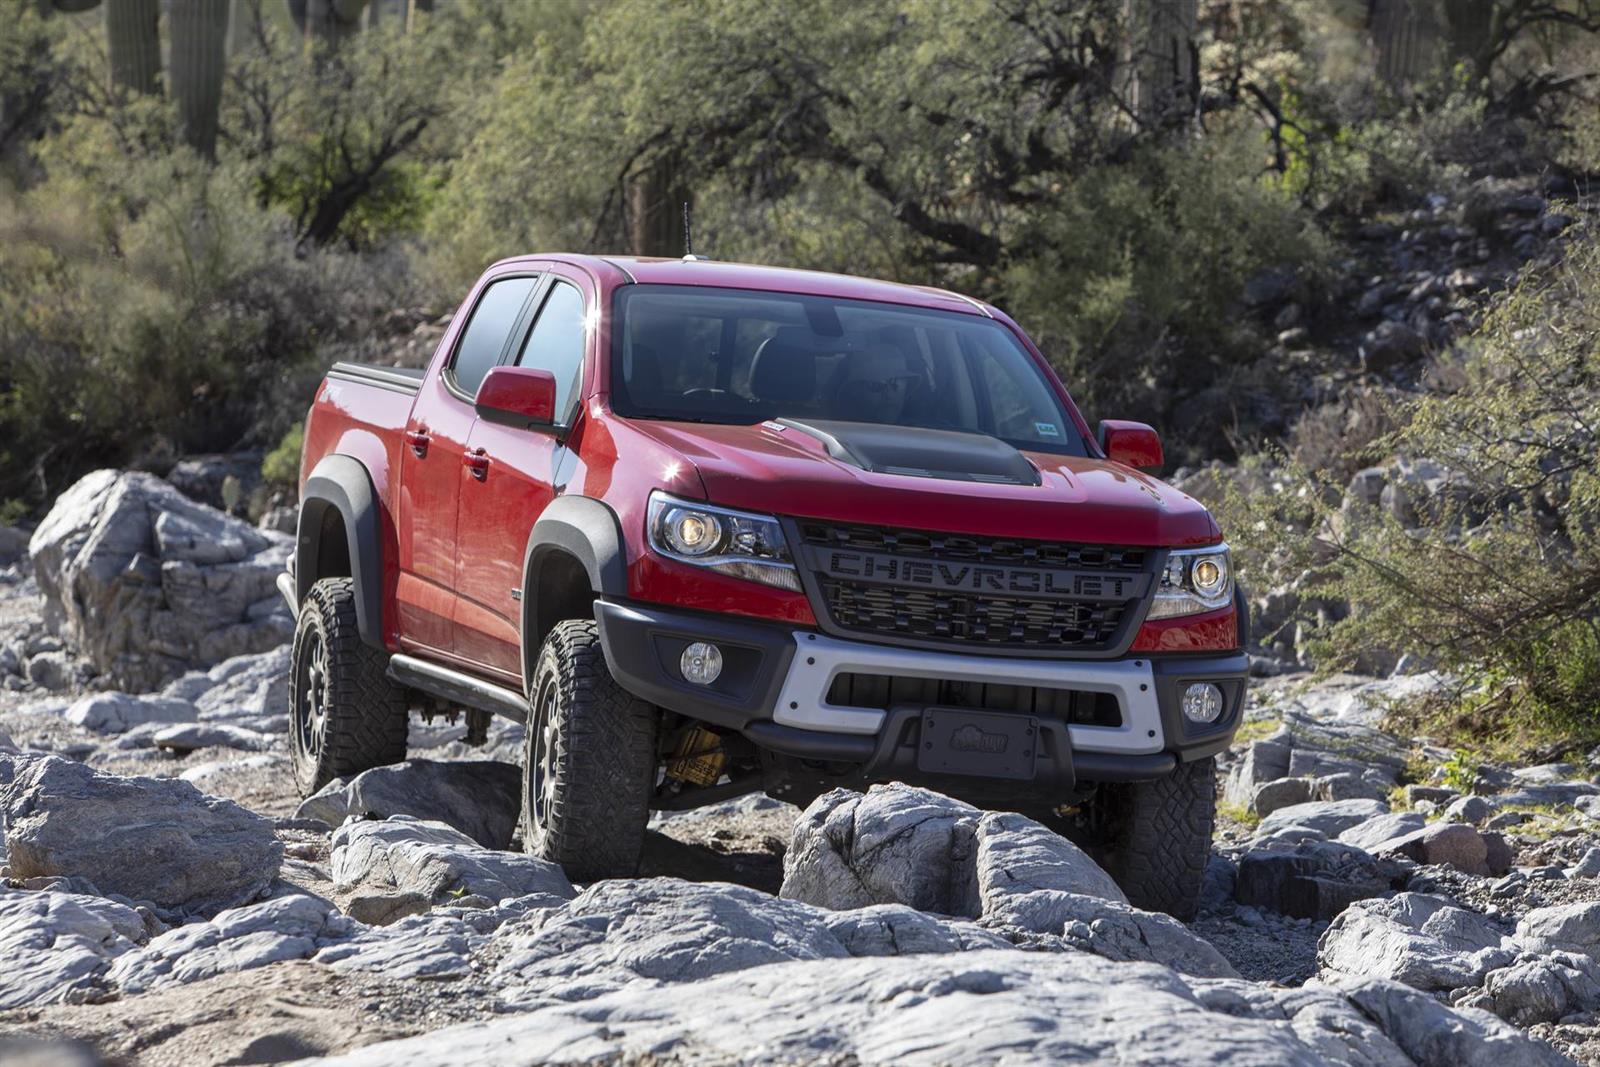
(785, 470)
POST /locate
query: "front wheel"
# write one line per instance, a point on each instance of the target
(589, 760)
(345, 715)
(1154, 838)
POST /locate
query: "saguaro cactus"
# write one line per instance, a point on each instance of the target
(133, 38)
(199, 55)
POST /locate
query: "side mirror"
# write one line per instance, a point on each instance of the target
(1132, 443)
(524, 397)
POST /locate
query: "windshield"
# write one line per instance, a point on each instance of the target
(740, 356)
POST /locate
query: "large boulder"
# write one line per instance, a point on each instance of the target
(403, 855)
(1425, 942)
(1314, 879)
(665, 930)
(240, 939)
(1330, 818)
(481, 798)
(1450, 844)
(56, 945)
(149, 839)
(147, 583)
(896, 844)
(979, 1008)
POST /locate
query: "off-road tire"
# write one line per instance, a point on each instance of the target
(1154, 837)
(362, 719)
(589, 760)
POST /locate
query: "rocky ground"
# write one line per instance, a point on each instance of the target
(170, 900)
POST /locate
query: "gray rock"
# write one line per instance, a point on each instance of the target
(1450, 844)
(979, 1008)
(115, 713)
(896, 844)
(1533, 991)
(1389, 345)
(1017, 857)
(1426, 942)
(154, 839)
(1436, 794)
(419, 946)
(1282, 793)
(1562, 928)
(59, 945)
(281, 519)
(330, 804)
(381, 909)
(1349, 785)
(1314, 880)
(189, 737)
(13, 545)
(481, 798)
(1375, 831)
(1470, 809)
(665, 930)
(1106, 928)
(54, 671)
(148, 583)
(1588, 865)
(1265, 760)
(1327, 817)
(407, 855)
(290, 927)
(1435, 1036)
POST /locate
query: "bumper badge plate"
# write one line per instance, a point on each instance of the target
(985, 743)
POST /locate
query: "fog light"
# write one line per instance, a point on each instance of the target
(702, 663)
(1202, 702)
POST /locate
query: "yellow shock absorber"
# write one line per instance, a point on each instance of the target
(698, 759)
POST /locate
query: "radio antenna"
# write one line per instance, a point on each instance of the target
(688, 237)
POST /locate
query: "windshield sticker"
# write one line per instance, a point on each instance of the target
(1047, 429)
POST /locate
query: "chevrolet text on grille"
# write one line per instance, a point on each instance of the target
(1058, 583)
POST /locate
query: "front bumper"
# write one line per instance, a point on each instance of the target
(775, 684)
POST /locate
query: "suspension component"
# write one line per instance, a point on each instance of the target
(698, 758)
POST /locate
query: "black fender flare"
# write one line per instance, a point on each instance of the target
(585, 529)
(342, 483)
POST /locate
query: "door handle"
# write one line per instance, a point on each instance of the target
(476, 462)
(418, 440)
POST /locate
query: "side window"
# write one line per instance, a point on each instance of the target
(555, 343)
(490, 326)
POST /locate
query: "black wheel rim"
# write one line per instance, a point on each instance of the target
(311, 710)
(541, 755)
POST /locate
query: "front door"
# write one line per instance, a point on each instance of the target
(432, 460)
(514, 480)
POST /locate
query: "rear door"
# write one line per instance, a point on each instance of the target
(433, 458)
(519, 472)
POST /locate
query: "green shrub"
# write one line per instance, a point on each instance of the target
(1496, 577)
(281, 466)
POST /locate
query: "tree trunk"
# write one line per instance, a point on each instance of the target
(1406, 34)
(331, 21)
(655, 210)
(1162, 79)
(415, 8)
(133, 38)
(199, 56)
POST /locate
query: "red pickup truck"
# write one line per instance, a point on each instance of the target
(708, 528)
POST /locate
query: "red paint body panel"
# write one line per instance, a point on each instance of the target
(455, 527)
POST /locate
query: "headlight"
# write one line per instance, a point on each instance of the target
(1194, 580)
(736, 543)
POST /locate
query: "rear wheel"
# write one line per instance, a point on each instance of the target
(1154, 837)
(345, 715)
(589, 760)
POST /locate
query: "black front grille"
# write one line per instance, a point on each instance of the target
(859, 690)
(1019, 602)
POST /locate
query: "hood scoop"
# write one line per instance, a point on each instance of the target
(916, 452)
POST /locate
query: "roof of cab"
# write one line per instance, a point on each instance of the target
(784, 280)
